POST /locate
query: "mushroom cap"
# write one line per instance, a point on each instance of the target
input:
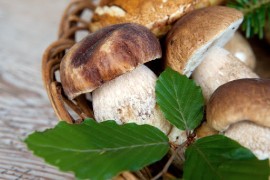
(240, 48)
(240, 100)
(195, 33)
(156, 15)
(105, 55)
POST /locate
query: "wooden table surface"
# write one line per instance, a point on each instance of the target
(27, 27)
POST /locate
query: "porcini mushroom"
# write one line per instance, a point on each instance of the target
(240, 48)
(156, 15)
(240, 110)
(197, 32)
(195, 43)
(109, 63)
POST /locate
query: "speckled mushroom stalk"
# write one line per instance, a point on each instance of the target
(195, 44)
(130, 98)
(240, 110)
(109, 63)
(219, 67)
(134, 101)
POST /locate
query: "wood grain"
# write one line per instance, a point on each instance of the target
(27, 28)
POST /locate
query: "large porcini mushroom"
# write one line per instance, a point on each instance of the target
(109, 63)
(240, 48)
(240, 109)
(156, 15)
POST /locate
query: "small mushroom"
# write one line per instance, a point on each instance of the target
(109, 63)
(156, 15)
(105, 55)
(240, 48)
(240, 110)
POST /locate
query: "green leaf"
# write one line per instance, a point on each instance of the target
(180, 99)
(218, 157)
(99, 150)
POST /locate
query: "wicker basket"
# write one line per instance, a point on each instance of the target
(72, 111)
(75, 111)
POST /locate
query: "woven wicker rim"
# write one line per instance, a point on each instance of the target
(71, 23)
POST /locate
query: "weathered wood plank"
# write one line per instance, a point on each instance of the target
(27, 28)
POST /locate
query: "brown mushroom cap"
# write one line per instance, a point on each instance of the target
(198, 31)
(239, 100)
(157, 15)
(105, 55)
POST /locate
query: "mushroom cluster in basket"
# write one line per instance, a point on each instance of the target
(111, 65)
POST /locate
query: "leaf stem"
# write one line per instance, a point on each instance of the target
(169, 162)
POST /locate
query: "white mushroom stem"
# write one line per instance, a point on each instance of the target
(218, 68)
(252, 136)
(240, 48)
(130, 98)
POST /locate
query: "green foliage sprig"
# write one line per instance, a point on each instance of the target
(256, 13)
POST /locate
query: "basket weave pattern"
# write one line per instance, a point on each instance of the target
(71, 24)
